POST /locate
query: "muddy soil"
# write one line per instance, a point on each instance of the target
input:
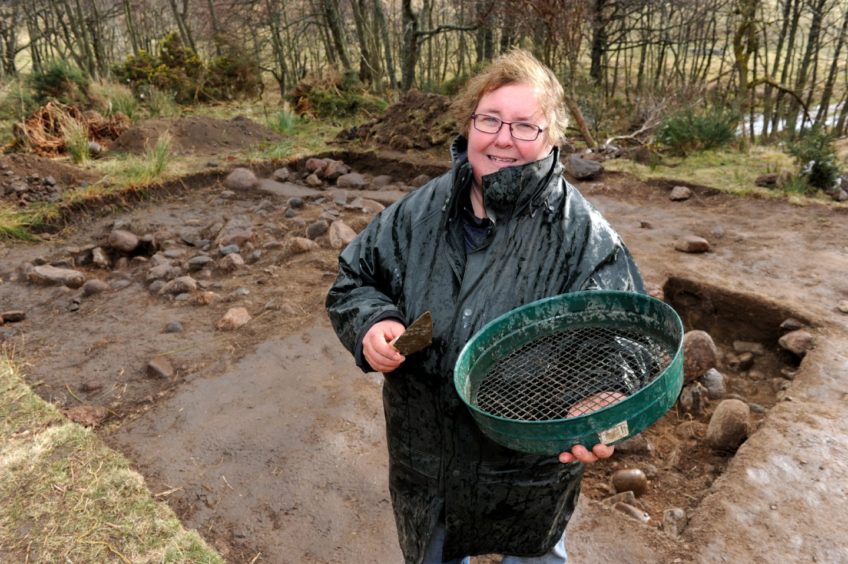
(269, 441)
(198, 135)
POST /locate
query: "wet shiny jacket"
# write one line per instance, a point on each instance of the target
(546, 240)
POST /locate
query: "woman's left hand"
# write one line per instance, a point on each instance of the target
(579, 453)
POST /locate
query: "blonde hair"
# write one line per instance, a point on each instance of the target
(516, 67)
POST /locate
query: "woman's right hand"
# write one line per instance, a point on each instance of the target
(376, 348)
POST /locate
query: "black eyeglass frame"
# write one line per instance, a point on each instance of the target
(474, 117)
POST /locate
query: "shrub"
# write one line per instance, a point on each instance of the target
(816, 155)
(17, 101)
(333, 96)
(687, 131)
(235, 73)
(61, 81)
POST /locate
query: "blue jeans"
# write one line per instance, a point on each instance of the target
(433, 553)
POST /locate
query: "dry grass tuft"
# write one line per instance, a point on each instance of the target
(69, 498)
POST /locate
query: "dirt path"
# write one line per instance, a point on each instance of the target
(267, 439)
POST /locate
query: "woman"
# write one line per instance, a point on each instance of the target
(501, 229)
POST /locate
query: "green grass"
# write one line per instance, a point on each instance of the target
(726, 170)
(67, 497)
(76, 140)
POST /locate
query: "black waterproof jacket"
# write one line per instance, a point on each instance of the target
(546, 240)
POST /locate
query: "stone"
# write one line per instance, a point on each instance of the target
(299, 245)
(674, 521)
(715, 384)
(842, 306)
(317, 229)
(162, 272)
(729, 425)
(636, 444)
(241, 179)
(420, 180)
(13, 315)
(123, 241)
(632, 511)
(791, 324)
(745, 361)
(630, 480)
(174, 327)
(367, 205)
(692, 244)
(49, 181)
(381, 180)
(582, 169)
(99, 258)
(295, 203)
(47, 275)
(179, 285)
(699, 354)
(197, 263)
(340, 234)
(160, 367)
(334, 169)
(338, 197)
(352, 180)
(692, 398)
(228, 250)
(234, 318)
(237, 231)
(314, 164)
(769, 180)
(231, 262)
(95, 149)
(94, 286)
(680, 193)
(206, 298)
(748, 346)
(797, 342)
(646, 224)
(314, 181)
(87, 415)
(281, 174)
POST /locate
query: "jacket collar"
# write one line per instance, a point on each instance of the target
(509, 191)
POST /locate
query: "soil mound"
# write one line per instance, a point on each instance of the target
(195, 135)
(27, 178)
(418, 121)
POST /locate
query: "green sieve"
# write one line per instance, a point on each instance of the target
(580, 368)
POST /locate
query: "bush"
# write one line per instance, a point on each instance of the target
(687, 131)
(178, 71)
(159, 103)
(61, 81)
(17, 101)
(816, 155)
(333, 96)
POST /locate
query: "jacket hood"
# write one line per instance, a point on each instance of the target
(510, 190)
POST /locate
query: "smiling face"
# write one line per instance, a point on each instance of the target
(490, 152)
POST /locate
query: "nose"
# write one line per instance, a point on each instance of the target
(503, 137)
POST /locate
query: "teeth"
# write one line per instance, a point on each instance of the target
(501, 160)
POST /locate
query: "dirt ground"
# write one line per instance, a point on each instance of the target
(270, 442)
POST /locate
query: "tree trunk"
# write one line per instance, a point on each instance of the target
(216, 31)
(380, 20)
(131, 30)
(599, 41)
(333, 20)
(409, 21)
(827, 92)
(366, 67)
(182, 24)
(812, 47)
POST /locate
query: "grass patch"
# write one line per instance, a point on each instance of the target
(729, 171)
(69, 498)
(76, 140)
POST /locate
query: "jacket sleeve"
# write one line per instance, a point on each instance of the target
(617, 272)
(367, 287)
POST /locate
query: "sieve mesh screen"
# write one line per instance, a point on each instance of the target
(569, 373)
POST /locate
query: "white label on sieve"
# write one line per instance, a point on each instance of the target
(614, 433)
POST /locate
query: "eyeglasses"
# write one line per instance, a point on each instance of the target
(520, 130)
